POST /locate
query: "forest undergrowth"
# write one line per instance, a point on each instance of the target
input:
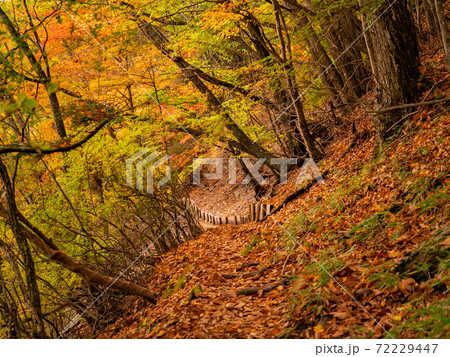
(331, 264)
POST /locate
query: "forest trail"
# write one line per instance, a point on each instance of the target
(354, 228)
(222, 198)
(217, 312)
(217, 287)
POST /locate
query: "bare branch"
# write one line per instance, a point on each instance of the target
(409, 105)
(39, 149)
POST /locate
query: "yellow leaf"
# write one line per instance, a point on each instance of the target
(318, 329)
(393, 254)
(160, 333)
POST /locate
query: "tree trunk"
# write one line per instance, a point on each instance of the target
(281, 95)
(285, 60)
(341, 29)
(51, 251)
(330, 77)
(341, 35)
(9, 314)
(431, 17)
(12, 123)
(257, 188)
(311, 147)
(25, 252)
(36, 66)
(191, 73)
(396, 62)
(444, 34)
(368, 39)
(56, 110)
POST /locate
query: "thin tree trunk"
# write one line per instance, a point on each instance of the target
(341, 35)
(12, 261)
(22, 244)
(10, 314)
(341, 29)
(430, 13)
(52, 251)
(445, 36)
(311, 147)
(190, 72)
(257, 188)
(313, 152)
(24, 131)
(331, 77)
(14, 127)
(368, 39)
(36, 66)
(281, 95)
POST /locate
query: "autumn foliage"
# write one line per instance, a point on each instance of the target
(361, 87)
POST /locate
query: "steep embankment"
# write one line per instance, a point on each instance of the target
(325, 265)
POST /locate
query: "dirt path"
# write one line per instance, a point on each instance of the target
(222, 261)
(218, 311)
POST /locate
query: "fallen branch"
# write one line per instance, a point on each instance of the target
(229, 276)
(287, 258)
(409, 105)
(264, 289)
(246, 265)
(294, 195)
(255, 273)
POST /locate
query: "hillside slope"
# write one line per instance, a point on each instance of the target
(324, 266)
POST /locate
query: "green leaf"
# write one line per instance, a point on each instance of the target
(21, 97)
(52, 88)
(29, 103)
(8, 107)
